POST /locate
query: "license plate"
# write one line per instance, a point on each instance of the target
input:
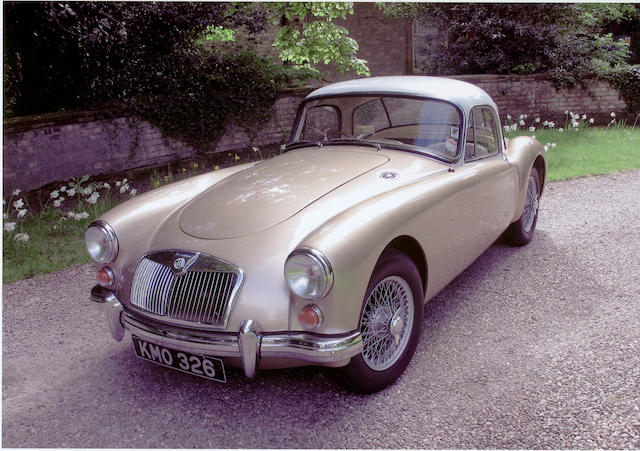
(198, 365)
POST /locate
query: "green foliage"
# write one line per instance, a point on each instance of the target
(147, 60)
(308, 36)
(627, 81)
(219, 34)
(567, 41)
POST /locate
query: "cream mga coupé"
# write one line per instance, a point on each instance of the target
(326, 254)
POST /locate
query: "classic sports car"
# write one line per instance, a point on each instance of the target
(326, 254)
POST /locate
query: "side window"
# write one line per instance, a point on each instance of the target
(369, 117)
(482, 135)
(320, 120)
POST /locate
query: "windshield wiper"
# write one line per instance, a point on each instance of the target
(355, 141)
(297, 144)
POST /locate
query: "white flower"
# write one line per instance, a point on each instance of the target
(553, 145)
(94, 198)
(545, 123)
(124, 188)
(522, 116)
(63, 188)
(54, 194)
(255, 149)
(566, 112)
(83, 215)
(88, 190)
(532, 129)
(9, 226)
(552, 124)
(525, 116)
(5, 216)
(509, 116)
(506, 128)
(584, 117)
(22, 213)
(133, 192)
(21, 237)
(546, 147)
(118, 183)
(591, 121)
(575, 124)
(106, 186)
(521, 122)
(537, 121)
(71, 192)
(514, 127)
(58, 202)
(16, 192)
(613, 114)
(18, 204)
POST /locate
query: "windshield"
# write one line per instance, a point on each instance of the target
(423, 125)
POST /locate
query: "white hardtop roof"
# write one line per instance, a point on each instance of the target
(459, 92)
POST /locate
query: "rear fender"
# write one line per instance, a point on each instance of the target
(525, 153)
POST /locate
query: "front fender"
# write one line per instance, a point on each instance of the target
(354, 239)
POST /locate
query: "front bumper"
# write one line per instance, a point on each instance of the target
(250, 344)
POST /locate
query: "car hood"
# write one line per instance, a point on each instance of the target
(272, 191)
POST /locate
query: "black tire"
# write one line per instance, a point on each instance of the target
(520, 232)
(389, 338)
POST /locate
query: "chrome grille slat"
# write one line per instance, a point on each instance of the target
(202, 295)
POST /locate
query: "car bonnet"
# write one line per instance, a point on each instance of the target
(266, 194)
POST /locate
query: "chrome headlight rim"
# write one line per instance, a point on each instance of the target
(111, 239)
(323, 263)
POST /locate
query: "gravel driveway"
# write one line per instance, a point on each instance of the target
(536, 347)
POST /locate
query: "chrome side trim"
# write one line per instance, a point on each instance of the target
(311, 348)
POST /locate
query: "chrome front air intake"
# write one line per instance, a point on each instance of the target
(186, 288)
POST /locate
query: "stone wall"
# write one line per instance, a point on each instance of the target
(55, 147)
(535, 96)
(42, 149)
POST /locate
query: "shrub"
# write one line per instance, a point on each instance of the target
(627, 81)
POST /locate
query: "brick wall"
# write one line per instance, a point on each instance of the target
(55, 147)
(535, 96)
(38, 150)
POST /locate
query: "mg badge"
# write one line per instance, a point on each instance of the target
(179, 263)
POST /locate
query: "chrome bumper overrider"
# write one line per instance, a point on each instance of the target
(249, 344)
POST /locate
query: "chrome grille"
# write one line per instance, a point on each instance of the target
(200, 292)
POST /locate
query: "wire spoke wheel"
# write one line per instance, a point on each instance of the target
(530, 205)
(386, 322)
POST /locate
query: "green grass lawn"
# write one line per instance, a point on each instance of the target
(55, 243)
(589, 151)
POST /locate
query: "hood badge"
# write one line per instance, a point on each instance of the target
(389, 175)
(182, 266)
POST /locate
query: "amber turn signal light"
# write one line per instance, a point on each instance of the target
(105, 277)
(310, 316)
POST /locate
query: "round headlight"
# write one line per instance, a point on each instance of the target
(101, 242)
(308, 273)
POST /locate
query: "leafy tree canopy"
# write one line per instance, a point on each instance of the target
(147, 60)
(564, 40)
(308, 36)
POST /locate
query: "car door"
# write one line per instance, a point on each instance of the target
(496, 177)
